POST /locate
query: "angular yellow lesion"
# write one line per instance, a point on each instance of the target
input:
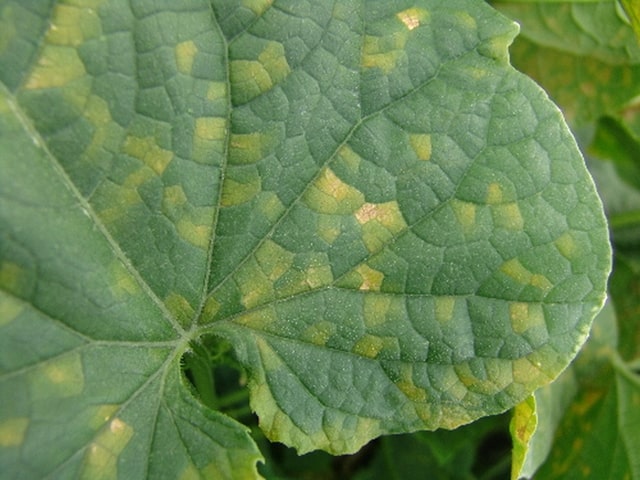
(253, 77)
(185, 55)
(566, 245)
(271, 206)
(255, 287)
(56, 67)
(258, 7)
(508, 216)
(329, 228)
(72, 25)
(349, 158)
(319, 333)
(527, 372)
(217, 91)
(10, 308)
(101, 414)
(190, 472)
(376, 309)
(12, 431)
(524, 316)
(421, 145)
(371, 279)
(407, 385)
(443, 308)
(494, 193)
(13, 277)
(467, 21)
(211, 129)
(149, 152)
(368, 346)
(273, 259)
(247, 148)
(413, 17)
(106, 133)
(329, 194)
(259, 319)
(384, 53)
(465, 213)
(61, 377)
(235, 192)
(198, 235)
(275, 62)
(179, 307)
(122, 284)
(515, 270)
(101, 459)
(381, 222)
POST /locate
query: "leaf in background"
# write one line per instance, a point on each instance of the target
(598, 436)
(392, 227)
(584, 54)
(632, 8)
(614, 142)
(471, 451)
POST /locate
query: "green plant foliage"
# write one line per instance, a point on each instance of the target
(360, 206)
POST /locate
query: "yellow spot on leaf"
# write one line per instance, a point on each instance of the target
(466, 20)
(421, 144)
(524, 316)
(235, 192)
(329, 228)
(102, 414)
(258, 7)
(371, 279)
(9, 309)
(14, 278)
(527, 372)
(274, 260)
(211, 128)
(179, 307)
(349, 158)
(331, 195)
(319, 333)
(413, 17)
(407, 385)
(211, 308)
(247, 148)
(465, 213)
(271, 206)
(190, 472)
(254, 285)
(384, 52)
(259, 319)
(508, 216)
(368, 346)
(12, 431)
(515, 270)
(122, 283)
(72, 25)
(62, 377)
(566, 245)
(101, 459)
(274, 61)
(185, 55)
(444, 308)
(197, 235)
(376, 309)
(253, 77)
(217, 91)
(147, 150)
(57, 67)
(494, 193)
(381, 222)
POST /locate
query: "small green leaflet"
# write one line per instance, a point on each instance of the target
(392, 228)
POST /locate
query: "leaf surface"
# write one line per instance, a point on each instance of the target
(392, 227)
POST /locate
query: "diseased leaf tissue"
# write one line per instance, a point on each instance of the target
(392, 228)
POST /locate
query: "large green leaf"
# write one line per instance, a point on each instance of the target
(393, 229)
